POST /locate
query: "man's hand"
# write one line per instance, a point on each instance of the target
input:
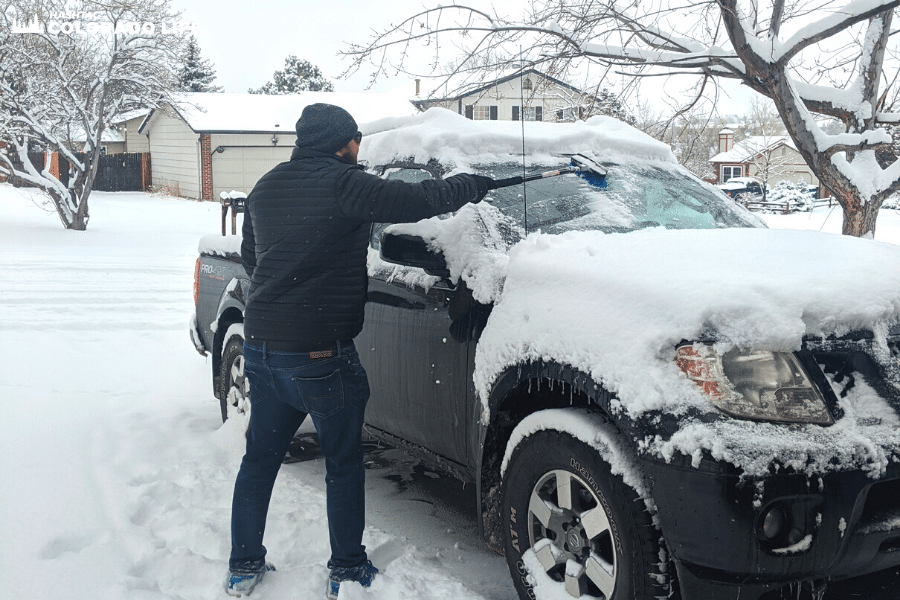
(485, 184)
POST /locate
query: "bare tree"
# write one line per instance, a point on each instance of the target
(830, 63)
(693, 134)
(762, 119)
(66, 70)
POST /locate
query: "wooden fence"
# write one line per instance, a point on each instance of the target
(786, 207)
(115, 173)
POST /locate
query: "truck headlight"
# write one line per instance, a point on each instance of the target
(754, 384)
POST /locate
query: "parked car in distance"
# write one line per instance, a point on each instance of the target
(741, 185)
(651, 392)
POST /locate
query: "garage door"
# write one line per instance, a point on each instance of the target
(239, 168)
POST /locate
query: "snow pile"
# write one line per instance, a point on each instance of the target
(545, 587)
(591, 429)
(614, 306)
(220, 245)
(830, 218)
(861, 439)
(454, 140)
(475, 244)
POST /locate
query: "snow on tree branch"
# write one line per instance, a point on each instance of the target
(67, 69)
(810, 58)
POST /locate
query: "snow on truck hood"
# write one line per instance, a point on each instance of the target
(614, 306)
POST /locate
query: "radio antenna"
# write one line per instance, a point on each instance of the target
(522, 120)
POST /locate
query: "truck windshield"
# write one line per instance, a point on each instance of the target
(633, 196)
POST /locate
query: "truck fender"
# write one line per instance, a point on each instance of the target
(568, 385)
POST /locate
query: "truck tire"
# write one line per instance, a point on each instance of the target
(236, 386)
(562, 503)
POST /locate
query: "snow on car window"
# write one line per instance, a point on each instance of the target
(636, 196)
(413, 175)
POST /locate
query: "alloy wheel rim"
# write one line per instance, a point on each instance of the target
(240, 386)
(570, 534)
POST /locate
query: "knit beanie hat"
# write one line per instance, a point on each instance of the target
(325, 127)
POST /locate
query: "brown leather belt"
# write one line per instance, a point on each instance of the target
(320, 350)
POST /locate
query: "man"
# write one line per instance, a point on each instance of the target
(305, 240)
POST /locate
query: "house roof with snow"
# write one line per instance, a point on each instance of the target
(751, 147)
(473, 90)
(260, 113)
(112, 133)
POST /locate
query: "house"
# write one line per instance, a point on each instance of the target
(768, 158)
(545, 99)
(209, 143)
(122, 135)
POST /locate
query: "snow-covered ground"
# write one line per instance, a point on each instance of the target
(829, 219)
(117, 471)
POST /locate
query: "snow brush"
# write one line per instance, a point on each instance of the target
(580, 165)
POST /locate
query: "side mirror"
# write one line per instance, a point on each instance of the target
(412, 251)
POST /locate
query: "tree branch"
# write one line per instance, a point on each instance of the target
(825, 28)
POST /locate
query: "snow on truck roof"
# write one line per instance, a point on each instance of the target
(452, 139)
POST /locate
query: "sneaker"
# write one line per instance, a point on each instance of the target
(364, 575)
(242, 583)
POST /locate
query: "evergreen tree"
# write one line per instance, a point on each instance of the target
(194, 73)
(609, 104)
(298, 76)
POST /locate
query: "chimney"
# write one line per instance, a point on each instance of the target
(417, 86)
(726, 140)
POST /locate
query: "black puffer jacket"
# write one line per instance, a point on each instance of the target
(306, 234)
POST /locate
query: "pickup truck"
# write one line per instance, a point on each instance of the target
(220, 286)
(650, 391)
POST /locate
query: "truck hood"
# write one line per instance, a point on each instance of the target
(614, 306)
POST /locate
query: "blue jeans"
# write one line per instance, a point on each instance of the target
(284, 388)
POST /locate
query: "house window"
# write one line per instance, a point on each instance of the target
(533, 113)
(566, 115)
(484, 113)
(731, 171)
(103, 150)
(526, 84)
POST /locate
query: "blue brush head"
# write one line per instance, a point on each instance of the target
(589, 170)
(594, 179)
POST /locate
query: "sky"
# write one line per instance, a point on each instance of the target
(248, 44)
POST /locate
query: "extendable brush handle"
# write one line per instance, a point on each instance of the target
(518, 179)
